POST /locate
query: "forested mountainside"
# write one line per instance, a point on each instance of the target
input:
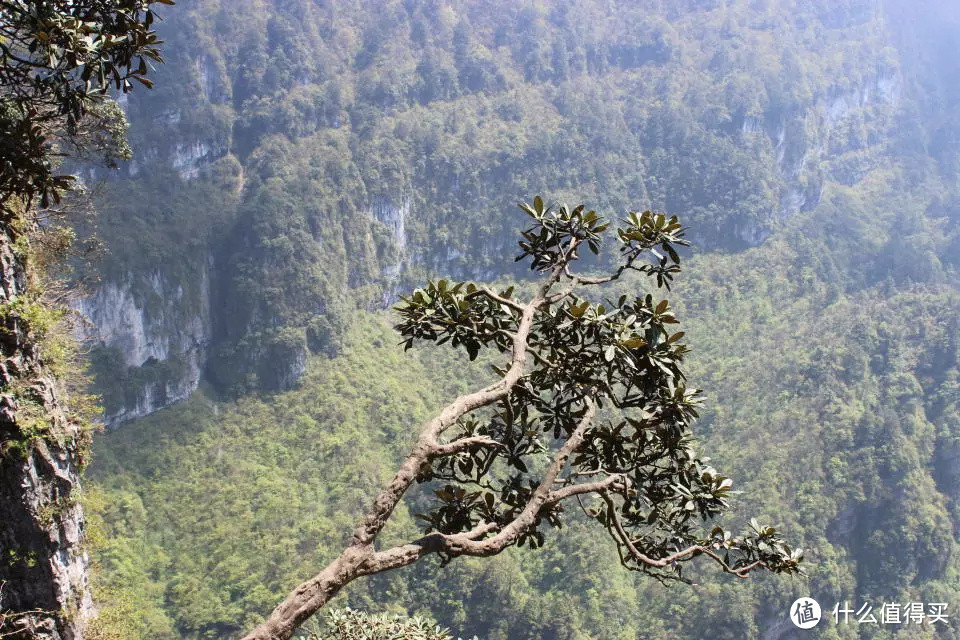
(300, 163)
(294, 151)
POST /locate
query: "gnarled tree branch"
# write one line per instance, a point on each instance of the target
(567, 358)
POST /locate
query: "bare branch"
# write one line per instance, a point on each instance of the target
(486, 291)
(667, 561)
(597, 486)
(407, 554)
(464, 444)
(560, 295)
(587, 280)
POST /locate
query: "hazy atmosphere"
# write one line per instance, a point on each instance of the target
(295, 284)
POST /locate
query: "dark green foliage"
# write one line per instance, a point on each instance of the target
(57, 62)
(636, 466)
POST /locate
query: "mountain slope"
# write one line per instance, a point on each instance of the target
(300, 157)
(302, 162)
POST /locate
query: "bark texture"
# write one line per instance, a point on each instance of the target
(43, 570)
(361, 558)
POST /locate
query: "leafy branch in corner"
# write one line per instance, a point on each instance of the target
(58, 62)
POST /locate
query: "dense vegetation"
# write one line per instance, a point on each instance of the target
(339, 149)
(346, 151)
(834, 403)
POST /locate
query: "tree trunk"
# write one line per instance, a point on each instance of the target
(310, 596)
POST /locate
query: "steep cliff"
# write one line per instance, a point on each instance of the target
(154, 346)
(44, 593)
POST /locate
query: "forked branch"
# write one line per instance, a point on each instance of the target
(568, 360)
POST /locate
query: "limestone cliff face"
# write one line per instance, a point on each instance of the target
(43, 569)
(152, 321)
(394, 215)
(814, 145)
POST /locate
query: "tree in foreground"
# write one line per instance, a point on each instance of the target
(58, 61)
(590, 408)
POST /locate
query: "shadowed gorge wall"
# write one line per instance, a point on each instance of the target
(44, 590)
